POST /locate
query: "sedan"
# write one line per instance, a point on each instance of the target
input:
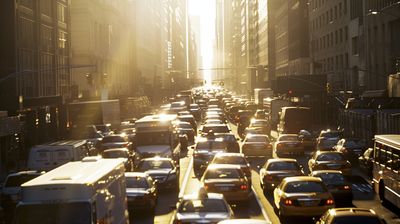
(337, 184)
(114, 141)
(120, 153)
(234, 159)
(258, 126)
(216, 128)
(325, 160)
(228, 180)
(163, 170)
(204, 153)
(141, 192)
(287, 145)
(202, 208)
(274, 170)
(257, 145)
(302, 196)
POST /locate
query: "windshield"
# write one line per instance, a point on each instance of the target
(153, 138)
(154, 165)
(66, 213)
(330, 157)
(115, 154)
(332, 178)
(283, 166)
(257, 139)
(211, 145)
(16, 181)
(205, 205)
(289, 138)
(109, 139)
(305, 187)
(222, 174)
(137, 182)
(230, 160)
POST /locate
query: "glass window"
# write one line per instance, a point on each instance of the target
(137, 182)
(154, 165)
(283, 166)
(305, 187)
(222, 174)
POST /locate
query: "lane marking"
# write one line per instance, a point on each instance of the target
(183, 186)
(260, 204)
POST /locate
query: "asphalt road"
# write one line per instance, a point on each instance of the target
(260, 206)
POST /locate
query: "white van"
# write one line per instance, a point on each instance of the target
(49, 156)
(87, 191)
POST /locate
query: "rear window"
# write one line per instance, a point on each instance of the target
(230, 160)
(154, 165)
(257, 139)
(16, 181)
(109, 139)
(356, 219)
(222, 174)
(137, 182)
(216, 129)
(283, 166)
(211, 145)
(288, 138)
(304, 187)
(332, 178)
(330, 157)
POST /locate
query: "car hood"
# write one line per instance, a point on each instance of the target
(203, 217)
(154, 149)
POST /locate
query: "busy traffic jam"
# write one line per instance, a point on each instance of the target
(209, 156)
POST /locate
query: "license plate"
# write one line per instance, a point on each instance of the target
(224, 188)
(308, 203)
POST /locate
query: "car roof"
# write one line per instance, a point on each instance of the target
(116, 149)
(281, 160)
(284, 135)
(352, 212)
(302, 178)
(223, 166)
(136, 174)
(209, 195)
(229, 154)
(326, 171)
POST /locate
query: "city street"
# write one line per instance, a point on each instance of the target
(260, 206)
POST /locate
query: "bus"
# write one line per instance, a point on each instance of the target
(87, 191)
(157, 135)
(385, 170)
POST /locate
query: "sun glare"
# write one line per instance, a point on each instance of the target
(206, 10)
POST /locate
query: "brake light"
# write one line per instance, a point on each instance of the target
(288, 202)
(330, 202)
(346, 187)
(243, 187)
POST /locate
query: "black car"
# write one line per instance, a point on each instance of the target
(204, 152)
(141, 192)
(164, 170)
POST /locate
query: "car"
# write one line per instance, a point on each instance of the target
(352, 148)
(204, 152)
(350, 216)
(195, 110)
(325, 160)
(234, 159)
(141, 192)
(120, 153)
(288, 145)
(202, 207)
(228, 180)
(178, 106)
(325, 145)
(328, 138)
(260, 114)
(274, 170)
(11, 189)
(302, 196)
(187, 129)
(337, 184)
(114, 141)
(216, 128)
(258, 126)
(232, 144)
(257, 145)
(105, 129)
(163, 170)
(242, 120)
(365, 161)
(244, 221)
(189, 118)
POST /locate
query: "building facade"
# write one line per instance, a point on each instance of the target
(35, 71)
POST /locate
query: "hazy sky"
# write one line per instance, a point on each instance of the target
(206, 10)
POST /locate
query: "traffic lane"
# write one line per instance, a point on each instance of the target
(166, 199)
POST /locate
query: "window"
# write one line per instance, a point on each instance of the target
(61, 13)
(336, 12)
(336, 37)
(354, 45)
(341, 35)
(345, 6)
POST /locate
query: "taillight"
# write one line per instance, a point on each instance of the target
(243, 187)
(346, 187)
(330, 202)
(288, 202)
(278, 145)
